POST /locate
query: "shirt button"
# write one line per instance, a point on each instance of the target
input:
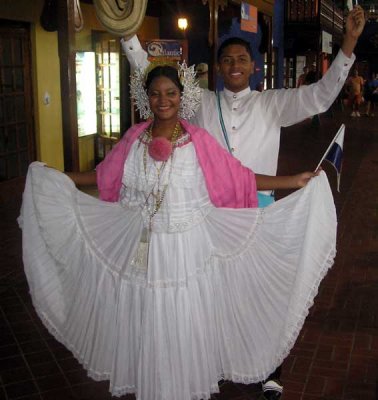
(234, 96)
(234, 109)
(233, 128)
(131, 48)
(232, 149)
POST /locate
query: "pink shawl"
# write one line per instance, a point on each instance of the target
(228, 182)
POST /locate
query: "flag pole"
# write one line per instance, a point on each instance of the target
(329, 147)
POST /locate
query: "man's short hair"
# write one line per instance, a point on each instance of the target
(231, 41)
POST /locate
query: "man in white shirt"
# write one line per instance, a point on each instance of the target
(248, 123)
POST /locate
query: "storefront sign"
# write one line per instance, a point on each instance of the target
(159, 50)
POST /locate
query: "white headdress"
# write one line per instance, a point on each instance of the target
(190, 98)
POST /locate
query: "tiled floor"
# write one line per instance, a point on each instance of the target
(336, 354)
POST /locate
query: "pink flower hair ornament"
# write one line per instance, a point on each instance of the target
(160, 148)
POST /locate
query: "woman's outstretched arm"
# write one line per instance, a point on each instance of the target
(267, 182)
(83, 178)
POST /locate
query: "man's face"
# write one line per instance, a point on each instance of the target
(235, 67)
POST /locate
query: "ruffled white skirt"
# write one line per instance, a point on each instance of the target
(223, 299)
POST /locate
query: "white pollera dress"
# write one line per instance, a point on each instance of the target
(220, 293)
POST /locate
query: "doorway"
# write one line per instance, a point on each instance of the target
(17, 136)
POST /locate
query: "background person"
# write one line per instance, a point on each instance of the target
(202, 70)
(302, 77)
(354, 89)
(371, 94)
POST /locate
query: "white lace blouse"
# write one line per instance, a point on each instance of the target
(181, 182)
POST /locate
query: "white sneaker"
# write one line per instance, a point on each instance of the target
(353, 114)
(358, 114)
(272, 390)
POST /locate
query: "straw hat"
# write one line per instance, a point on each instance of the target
(121, 17)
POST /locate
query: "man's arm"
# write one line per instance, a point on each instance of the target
(290, 106)
(135, 54)
(354, 26)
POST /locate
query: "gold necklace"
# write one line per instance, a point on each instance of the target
(160, 193)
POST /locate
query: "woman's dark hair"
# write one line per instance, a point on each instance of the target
(232, 41)
(166, 71)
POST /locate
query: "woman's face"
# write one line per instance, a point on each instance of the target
(164, 97)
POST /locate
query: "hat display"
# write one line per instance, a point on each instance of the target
(121, 17)
(201, 68)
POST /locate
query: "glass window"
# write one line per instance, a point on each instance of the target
(108, 88)
(86, 93)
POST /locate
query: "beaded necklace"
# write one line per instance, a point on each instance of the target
(157, 193)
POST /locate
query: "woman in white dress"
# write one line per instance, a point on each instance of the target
(166, 287)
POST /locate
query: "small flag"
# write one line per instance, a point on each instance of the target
(334, 153)
(248, 20)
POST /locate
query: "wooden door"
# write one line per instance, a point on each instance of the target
(17, 147)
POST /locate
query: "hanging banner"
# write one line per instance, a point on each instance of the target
(248, 20)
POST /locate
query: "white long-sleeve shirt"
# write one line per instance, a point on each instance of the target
(253, 119)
